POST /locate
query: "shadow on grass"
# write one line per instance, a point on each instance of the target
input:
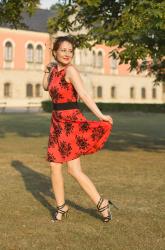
(39, 185)
(130, 130)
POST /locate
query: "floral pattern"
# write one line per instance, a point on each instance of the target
(81, 142)
(84, 126)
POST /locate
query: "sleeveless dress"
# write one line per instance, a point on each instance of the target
(71, 134)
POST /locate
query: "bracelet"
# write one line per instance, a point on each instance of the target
(46, 71)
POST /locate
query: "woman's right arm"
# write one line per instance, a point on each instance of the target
(45, 80)
(46, 76)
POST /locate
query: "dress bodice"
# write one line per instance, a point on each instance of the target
(59, 89)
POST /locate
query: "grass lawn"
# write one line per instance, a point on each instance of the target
(129, 171)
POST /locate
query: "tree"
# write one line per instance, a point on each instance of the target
(135, 27)
(11, 11)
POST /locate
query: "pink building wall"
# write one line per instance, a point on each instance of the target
(20, 38)
(123, 69)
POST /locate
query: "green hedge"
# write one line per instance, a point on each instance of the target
(105, 107)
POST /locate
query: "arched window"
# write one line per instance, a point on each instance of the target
(38, 90)
(30, 53)
(99, 91)
(132, 92)
(154, 93)
(94, 58)
(8, 51)
(113, 91)
(39, 54)
(100, 60)
(29, 90)
(113, 63)
(7, 90)
(143, 93)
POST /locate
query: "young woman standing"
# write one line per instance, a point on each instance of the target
(71, 134)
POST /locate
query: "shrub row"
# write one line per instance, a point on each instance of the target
(105, 107)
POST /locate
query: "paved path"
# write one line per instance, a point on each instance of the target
(20, 110)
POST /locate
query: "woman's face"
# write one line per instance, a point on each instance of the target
(64, 54)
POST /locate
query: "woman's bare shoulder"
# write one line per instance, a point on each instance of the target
(71, 69)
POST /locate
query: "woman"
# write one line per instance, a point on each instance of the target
(71, 134)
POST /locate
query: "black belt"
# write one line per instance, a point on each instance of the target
(65, 105)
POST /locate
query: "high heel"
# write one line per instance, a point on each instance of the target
(59, 210)
(101, 209)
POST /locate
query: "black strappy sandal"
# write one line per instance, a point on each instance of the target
(109, 217)
(59, 210)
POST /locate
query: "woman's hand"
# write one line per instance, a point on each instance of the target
(107, 118)
(49, 66)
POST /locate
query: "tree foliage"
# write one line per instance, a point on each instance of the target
(135, 27)
(11, 11)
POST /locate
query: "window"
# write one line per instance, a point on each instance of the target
(29, 90)
(39, 54)
(38, 90)
(113, 63)
(132, 92)
(30, 53)
(154, 93)
(7, 90)
(8, 51)
(143, 93)
(100, 60)
(94, 58)
(113, 91)
(99, 91)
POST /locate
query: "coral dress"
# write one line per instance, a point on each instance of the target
(71, 134)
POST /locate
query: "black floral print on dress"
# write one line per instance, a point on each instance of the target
(73, 116)
(97, 133)
(68, 128)
(51, 157)
(58, 115)
(57, 130)
(56, 73)
(81, 142)
(65, 148)
(56, 94)
(52, 140)
(64, 84)
(84, 126)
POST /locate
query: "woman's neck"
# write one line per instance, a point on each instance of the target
(61, 66)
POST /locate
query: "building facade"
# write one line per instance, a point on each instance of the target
(24, 53)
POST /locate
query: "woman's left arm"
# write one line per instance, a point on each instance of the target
(73, 75)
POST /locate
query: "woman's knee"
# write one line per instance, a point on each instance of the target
(74, 168)
(55, 167)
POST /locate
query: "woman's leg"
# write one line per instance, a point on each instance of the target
(58, 185)
(74, 169)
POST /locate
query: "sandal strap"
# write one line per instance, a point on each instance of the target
(103, 208)
(99, 203)
(59, 207)
(61, 211)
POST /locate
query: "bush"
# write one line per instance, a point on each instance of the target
(106, 107)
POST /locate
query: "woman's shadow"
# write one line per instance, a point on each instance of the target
(39, 185)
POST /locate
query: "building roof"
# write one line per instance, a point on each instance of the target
(36, 22)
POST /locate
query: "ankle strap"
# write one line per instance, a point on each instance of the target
(99, 203)
(59, 207)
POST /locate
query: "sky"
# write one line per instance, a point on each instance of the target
(45, 4)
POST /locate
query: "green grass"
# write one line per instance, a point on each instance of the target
(129, 170)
